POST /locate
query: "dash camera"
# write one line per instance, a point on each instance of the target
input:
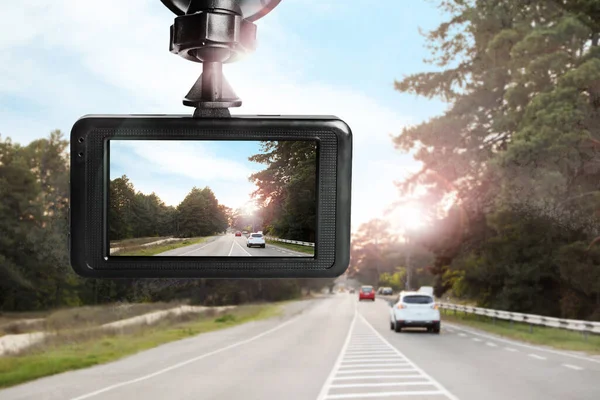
(210, 195)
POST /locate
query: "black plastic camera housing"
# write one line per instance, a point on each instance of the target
(90, 155)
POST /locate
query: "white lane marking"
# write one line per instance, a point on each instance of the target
(536, 356)
(384, 394)
(361, 377)
(571, 366)
(199, 248)
(514, 343)
(354, 371)
(462, 335)
(361, 360)
(357, 353)
(510, 349)
(476, 339)
(186, 362)
(242, 248)
(366, 358)
(383, 384)
(441, 389)
(491, 344)
(338, 362)
(362, 365)
(231, 249)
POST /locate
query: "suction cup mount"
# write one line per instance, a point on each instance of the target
(214, 32)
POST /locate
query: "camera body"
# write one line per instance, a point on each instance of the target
(90, 245)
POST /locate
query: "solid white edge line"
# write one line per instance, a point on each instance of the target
(325, 388)
(231, 249)
(515, 343)
(186, 362)
(242, 248)
(192, 251)
(412, 364)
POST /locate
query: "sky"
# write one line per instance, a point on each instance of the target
(172, 168)
(313, 57)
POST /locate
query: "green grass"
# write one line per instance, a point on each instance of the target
(85, 350)
(291, 246)
(557, 338)
(160, 248)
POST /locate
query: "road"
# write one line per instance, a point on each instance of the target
(331, 348)
(229, 245)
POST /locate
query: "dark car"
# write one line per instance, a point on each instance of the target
(387, 291)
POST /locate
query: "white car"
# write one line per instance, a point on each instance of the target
(415, 309)
(256, 239)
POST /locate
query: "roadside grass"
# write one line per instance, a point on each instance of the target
(561, 339)
(159, 248)
(92, 316)
(136, 241)
(81, 317)
(291, 246)
(84, 348)
(19, 326)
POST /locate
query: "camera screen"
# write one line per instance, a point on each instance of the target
(212, 198)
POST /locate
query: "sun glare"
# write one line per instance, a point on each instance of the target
(408, 217)
(249, 208)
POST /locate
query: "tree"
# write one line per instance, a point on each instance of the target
(518, 146)
(121, 203)
(286, 188)
(199, 214)
(34, 262)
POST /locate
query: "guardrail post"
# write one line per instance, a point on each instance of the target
(585, 336)
(494, 320)
(511, 323)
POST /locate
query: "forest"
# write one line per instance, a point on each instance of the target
(134, 214)
(286, 190)
(512, 167)
(35, 273)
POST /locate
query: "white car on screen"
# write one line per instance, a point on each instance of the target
(256, 239)
(415, 310)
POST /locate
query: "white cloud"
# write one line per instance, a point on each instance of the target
(123, 46)
(189, 159)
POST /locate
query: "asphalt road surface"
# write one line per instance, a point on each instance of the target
(230, 245)
(331, 348)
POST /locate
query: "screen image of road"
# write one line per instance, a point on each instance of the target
(212, 198)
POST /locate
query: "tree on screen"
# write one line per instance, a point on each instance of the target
(286, 188)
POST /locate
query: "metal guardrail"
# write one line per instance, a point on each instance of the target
(531, 319)
(310, 244)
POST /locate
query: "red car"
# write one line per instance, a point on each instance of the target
(366, 293)
(238, 234)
